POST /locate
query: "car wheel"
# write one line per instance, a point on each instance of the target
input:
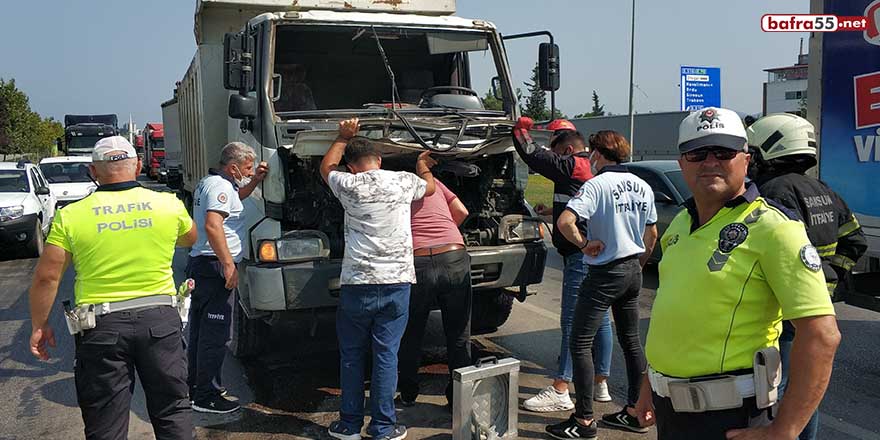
(37, 242)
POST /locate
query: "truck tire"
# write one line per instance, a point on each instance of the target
(248, 335)
(34, 247)
(490, 310)
(187, 202)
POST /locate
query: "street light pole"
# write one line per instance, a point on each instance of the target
(632, 50)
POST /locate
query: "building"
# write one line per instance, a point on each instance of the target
(786, 88)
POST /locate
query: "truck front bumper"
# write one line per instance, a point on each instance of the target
(315, 284)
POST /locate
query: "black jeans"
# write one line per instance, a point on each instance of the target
(614, 285)
(710, 425)
(210, 316)
(146, 341)
(443, 280)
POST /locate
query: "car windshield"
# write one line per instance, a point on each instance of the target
(69, 172)
(14, 181)
(678, 182)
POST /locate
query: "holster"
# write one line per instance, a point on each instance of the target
(709, 395)
(80, 318)
(768, 376)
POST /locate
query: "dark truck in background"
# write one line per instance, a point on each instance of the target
(81, 132)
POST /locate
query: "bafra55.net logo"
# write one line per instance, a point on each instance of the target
(868, 23)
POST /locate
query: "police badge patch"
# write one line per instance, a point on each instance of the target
(810, 258)
(732, 236)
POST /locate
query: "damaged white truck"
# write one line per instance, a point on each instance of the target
(280, 75)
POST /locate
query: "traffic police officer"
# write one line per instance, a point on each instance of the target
(783, 148)
(218, 214)
(121, 241)
(734, 265)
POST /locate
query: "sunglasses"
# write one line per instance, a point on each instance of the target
(701, 154)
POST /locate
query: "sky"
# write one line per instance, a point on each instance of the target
(124, 56)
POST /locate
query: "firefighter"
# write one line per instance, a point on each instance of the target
(783, 148)
(567, 165)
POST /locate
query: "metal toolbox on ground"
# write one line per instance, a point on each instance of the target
(485, 400)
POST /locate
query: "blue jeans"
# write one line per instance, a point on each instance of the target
(786, 341)
(370, 315)
(572, 277)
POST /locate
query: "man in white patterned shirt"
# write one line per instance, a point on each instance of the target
(377, 271)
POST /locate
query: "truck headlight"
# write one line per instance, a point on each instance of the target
(294, 247)
(11, 213)
(520, 229)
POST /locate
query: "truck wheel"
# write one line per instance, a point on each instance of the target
(490, 310)
(35, 245)
(188, 202)
(248, 335)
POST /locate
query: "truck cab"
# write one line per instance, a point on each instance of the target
(154, 149)
(409, 72)
(81, 132)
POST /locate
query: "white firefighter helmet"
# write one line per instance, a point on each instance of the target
(782, 134)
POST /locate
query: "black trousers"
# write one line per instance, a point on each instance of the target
(614, 285)
(210, 318)
(443, 280)
(711, 425)
(146, 341)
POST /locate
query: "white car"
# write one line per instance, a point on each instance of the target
(68, 178)
(27, 207)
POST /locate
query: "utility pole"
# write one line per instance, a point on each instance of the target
(632, 54)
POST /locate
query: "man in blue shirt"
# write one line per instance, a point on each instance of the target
(618, 208)
(218, 215)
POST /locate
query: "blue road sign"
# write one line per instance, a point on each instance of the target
(700, 87)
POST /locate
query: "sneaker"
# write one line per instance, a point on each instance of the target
(406, 401)
(570, 429)
(398, 433)
(600, 392)
(223, 391)
(215, 405)
(549, 400)
(338, 430)
(622, 419)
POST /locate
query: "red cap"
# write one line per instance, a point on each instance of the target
(561, 124)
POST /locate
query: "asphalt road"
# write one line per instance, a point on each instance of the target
(292, 392)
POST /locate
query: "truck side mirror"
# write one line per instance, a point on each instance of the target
(242, 107)
(238, 56)
(496, 88)
(548, 67)
(42, 191)
(663, 198)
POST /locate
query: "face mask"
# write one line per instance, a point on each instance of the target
(241, 181)
(593, 164)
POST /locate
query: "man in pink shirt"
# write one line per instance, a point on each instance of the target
(443, 279)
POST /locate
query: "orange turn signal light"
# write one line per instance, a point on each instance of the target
(268, 253)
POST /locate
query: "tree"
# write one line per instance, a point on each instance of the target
(536, 102)
(491, 102)
(23, 131)
(598, 109)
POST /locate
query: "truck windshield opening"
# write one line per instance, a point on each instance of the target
(339, 67)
